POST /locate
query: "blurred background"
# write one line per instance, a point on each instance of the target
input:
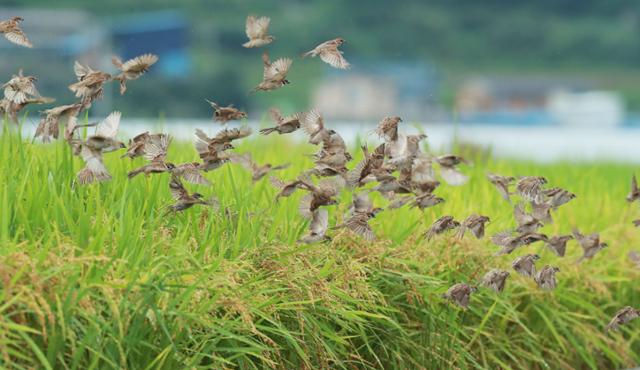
(546, 79)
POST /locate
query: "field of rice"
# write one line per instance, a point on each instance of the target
(98, 277)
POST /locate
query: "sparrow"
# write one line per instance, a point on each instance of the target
(590, 244)
(634, 193)
(530, 188)
(321, 195)
(387, 129)
(20, 88)
(184, 200)
(440, 226)
(12, 109)
(370, 165)
(49, 125)
(546, 278)
(91, 149)
(502, 184)
(275, 74)
(226, 114)
(634, 257)
(90, 85)
(425, 201)
(132, 69)
(257, 171)
(475, 224)
(623, 316)
(12, 32)
(136, 145)
(313, 125)
(542, 212)
(558, 244)
(420, 177)
(558, 197)
(525, 265)
(510, 242)
(526, 222)
(361, 211)
(256, 29)
(154, 151)
(284, 125)
(211, 150)
(460, 294)
(496, 279)
(286, 188)
(329, 53)
(317, 228)
(449, 171)
(403, 151)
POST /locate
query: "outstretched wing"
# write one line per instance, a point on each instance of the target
(109, 126)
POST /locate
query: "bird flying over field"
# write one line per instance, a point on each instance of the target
(623, 316)
(132, 69)
(440, 226)
(362, 211)
(317, 228)
(257, 29)
(90, 85)
(286, 188)
(226, 114)
(284, 125)
(387, 129)
(20, 88)
(313, 125)
(12, 109)
(546, 277)
(154, 150)
(449, 170)
(49, 125)
(530, 188)
(184, 200)
(321, 195)
(211, 150)
(502, 184)
(558, 196)
(496, 279)
(526, 265)
(257, 171)
(590, 244)
(92, 148)
(558, 244)
(475, 224)
(526, 222)
(460, 294)
(425, 201)
(12, 32)
(510, 242)
(371, 164)
(634, 193)
(329, 53)
(275, 74)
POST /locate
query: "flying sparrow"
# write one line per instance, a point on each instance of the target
(329, 53)
(12, 32)
(256, 29)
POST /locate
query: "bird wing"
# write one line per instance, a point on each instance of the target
(156, 148)
(362, 202)
(228, 135)
(178, 192)
(278, 70)
(94, 163)
(18, 37)
(139, 64)
(334, 58)
(276, 115)
(312, 121)
(109, 126)
(256, 28)
(319, 221)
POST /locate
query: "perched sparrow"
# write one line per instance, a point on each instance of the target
(525, 265)
(634, 257)
(510, 242)
(91, 150)
(49, 125)
(275, 74)
(184, 200)
(329, 53)
(558, 244)
(440, 226)
(317, 228)
(20, 88)
(286, 189)
(546, 278)
(448, 169)
(154, 151)
(284, 125)
(211, 150)
(258, 171)
(590, 244)
(132, 69)
(526, 222)
(623, 316)
(558, 197)
(388, 128)
(496, 279)
(460, 294)
(474, 223)
(322, 195)
(12, 32)
(426, 201)
(256, 29)
(530, 188)
(370, 164)
(313, 124)
(502, 184)
(90, 84)
(226, 114)
(633, 195)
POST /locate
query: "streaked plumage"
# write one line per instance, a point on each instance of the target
(257, 171)
(530, 188)
(12, 32)
(510, 242)
(90, 85)
(256, 29)
(211, 150)
(449, 171)
(284, 125)
(313, 125)
(502, 184)
(526, 222)
(558, 244)
(20, 88)
(286, 188)
(370, 164)
(426, 201)
(49, 125)
(496, 279)
(590, 244)
(329, 53)
(91, 150)
(275, 74)
(634, 193)
(526, 265)
(475, 224)
(546, 277)
(184, 200)
(460, 294)
(387, 129)
(226, 114)
(321, 195)
(317, 228)
(155, 151)
(623, 316)
(132, 69)
(440, 226)
(558, 196)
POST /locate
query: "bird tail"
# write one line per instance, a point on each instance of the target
(308, 53)
(267, 131)
(134, 173)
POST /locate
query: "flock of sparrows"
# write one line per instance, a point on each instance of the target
(400, 171)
